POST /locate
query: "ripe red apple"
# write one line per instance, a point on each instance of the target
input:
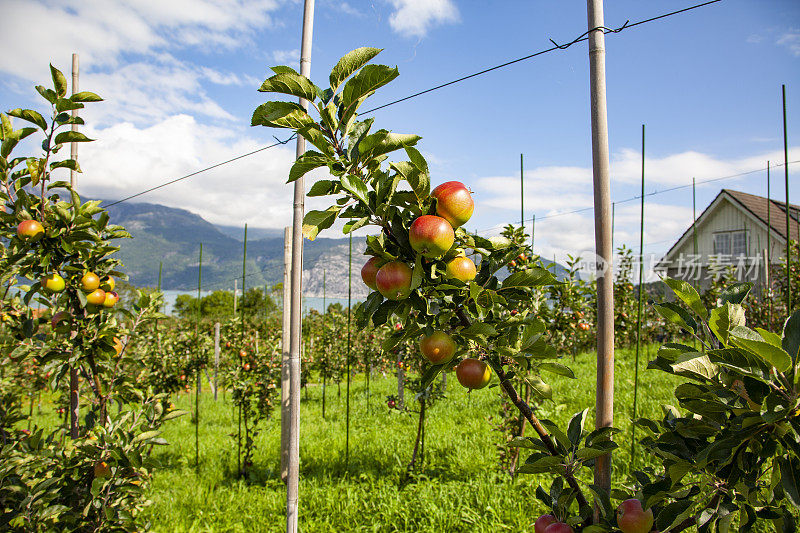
(631, 518)
(96, 297)
(369, 271)
(53, 283)
(391, 404)
(543, 521)
(462, 268)
(453, 202)
(242, 354)
(108, 284)
(438, 347)
(90, 282)
(559, 527)
(431, 236)
(101, 470)
(473, 373)
(30, 230)
(394, 280)
(111, 299)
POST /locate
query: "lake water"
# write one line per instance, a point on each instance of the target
(309, 302)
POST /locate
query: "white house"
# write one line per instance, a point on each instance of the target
(732, 231)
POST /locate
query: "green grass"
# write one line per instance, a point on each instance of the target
(459, 488)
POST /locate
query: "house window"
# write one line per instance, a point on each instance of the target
(730, 243)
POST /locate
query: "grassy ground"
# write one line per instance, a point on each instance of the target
(459, 489)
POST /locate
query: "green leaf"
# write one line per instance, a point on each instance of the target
(67, 163)
(291, 84)
(369, 79)
(741, 361)
(324, 188)
(281, 115)
(283, 69)
(85, 96)
(416, 274)
(725, 318)
(736, 293)
(305, 164)
(575, 429)
(478, 331)
(557, 368)
(71, 136)
(677, 315)
(30, 116)
(59, 81)
(530, 277)
(540, 388)
(146, 435)
(416, 159)
(48, 94)
(356, 187)
(791, 336)
(695, 365)
(790, 478)
(688, 295)
(383, 142)
(777, 357)
(351, 62)
(316, 221)
(420, 183)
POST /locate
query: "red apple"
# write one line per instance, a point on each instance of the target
(542, 523)
(90, 281)
(96, 297)
(631, 518)
(431, 236)
(53, 283)
(369, 271)
(394, 280)
(438, 347)
(453, 202)
(462, 268)
(30, 230)
(559, 527)
(473, 373)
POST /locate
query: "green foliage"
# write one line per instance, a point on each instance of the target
(219, 304)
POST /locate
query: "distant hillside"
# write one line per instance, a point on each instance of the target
(173, 236)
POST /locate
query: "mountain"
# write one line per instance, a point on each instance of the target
(172, 237)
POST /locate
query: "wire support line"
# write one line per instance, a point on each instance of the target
(556, 46)
(639, 196)
(195, 173)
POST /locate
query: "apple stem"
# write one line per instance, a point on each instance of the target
(525, 410)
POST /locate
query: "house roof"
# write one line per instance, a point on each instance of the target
(757, 207)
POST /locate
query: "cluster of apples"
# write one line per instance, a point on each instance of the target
(98, 293)
(631, 518)
(432, 236)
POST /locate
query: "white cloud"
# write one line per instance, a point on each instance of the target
(791, 40)
(290, 58)
(414, 18)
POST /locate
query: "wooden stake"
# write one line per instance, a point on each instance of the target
(74, 385)
(197, 386)
(349, 346)
(241, 345)
(287, 267)
(638, 316)
(293, 481)
(604, 415)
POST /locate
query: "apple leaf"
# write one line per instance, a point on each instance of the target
(292, 84)
(752, 342)
(416, 274)
(305, 164)
(722, 319)
(85, 96)
(677, 315)
(280, 115)
(29, 115)
(688, 295)
(71, 137)
(316, 221)
(557, 368)
(59, 81)
(791, 336)
(369, 79)
(356, 187)
(351, 62)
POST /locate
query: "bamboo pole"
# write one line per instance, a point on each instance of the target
(638, 317)
(788, 239)
(235, 295)
(521, 194)
(287, 266)
(241, 343)
(533, 229)
(324, 313)
(602, 208)
(216, 359)
(349, 346)
(768, 255)
(293, 480)
(74, 384)
(197, 370)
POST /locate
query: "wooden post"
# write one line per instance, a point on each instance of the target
(216, 359)
(638, 316)
(788, 246)
(521, 194)
(349, 346)
(197, 371)
(604, 415)
(293, 480)
(241, 347)
(235, 294)
(287, 266)
(74, 384)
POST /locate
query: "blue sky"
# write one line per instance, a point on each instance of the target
(180, 82)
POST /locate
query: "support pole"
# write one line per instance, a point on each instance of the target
(197, 370)
(521, 194)
(293, 481)
(241, 347)
(533, 230)
(638, 316)
(216, 359)
(349, 347)
(74, 384)
(788, 239)
(768, 255)
(287, 267)
(235, 295)
(602, 208)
